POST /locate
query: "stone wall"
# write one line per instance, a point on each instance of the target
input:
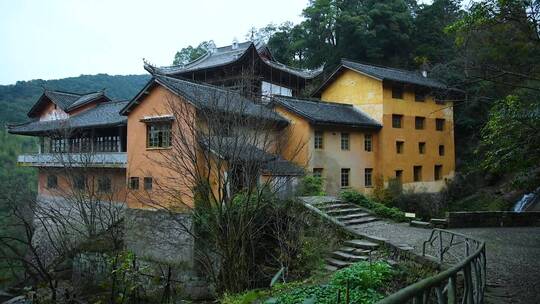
(492, 219)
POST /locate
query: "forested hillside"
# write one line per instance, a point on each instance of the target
(16, 100)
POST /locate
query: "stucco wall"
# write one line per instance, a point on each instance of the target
(374, 98)
(155, 162)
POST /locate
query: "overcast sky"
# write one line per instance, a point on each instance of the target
(61, 38)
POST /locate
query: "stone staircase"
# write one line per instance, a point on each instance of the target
(346, 214)
(352, 251)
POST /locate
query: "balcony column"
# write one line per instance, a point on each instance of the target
(119, 139)
(92, 134)
(41, 145)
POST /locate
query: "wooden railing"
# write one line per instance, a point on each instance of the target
(462, 281)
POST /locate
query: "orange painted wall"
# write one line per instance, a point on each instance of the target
(298, 142)
(145, 162)
(65, 184)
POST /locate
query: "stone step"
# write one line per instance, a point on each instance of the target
(352, 216)
(360, 221)
(337, 263)
(343, 211)
(330, 268)
(420, 224)
(355, 251)
(361, 244)
(340, 255)
(335, 206)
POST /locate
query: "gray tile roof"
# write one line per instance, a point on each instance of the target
(208, 97)
(103, 115)
(327, 113)
(385, 73)
(225, 55)
(66, 101)
(235, 149)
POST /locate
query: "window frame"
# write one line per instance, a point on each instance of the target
(400, 147)
(318, 140)
(134, 183)
(437, 172)
(148, 183)
(420, 96)
(417, 173)
(108, 187)
(50, 179)
(368, 142)
(345, 138)
(399, 176)
(422, 147)
(368, 177)
(162, 130)
(345, 177)
(419, 122)
(79, 182)
(398, 91)
(399, 118)
(440, 124)
(441, 150)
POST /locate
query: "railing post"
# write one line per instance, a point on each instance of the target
(451, 290)
(440, 247)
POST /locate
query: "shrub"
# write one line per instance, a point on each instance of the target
(355, 197)
(363, 275)
(425, 205)
(311, 186)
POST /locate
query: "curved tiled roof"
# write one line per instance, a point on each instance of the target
(204, 96)
(327, 113)
(66, 101)
(103, 115)
(226, 55)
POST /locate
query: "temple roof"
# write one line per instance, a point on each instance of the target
(204, 96)
(383, 73)
(225, 55)
(67, 101)
(327, 113)
(103, 115)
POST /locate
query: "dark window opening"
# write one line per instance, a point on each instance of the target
(368, 142)
(397, 121)
(441, 150)
(52, 181)
(400, 146)
(79, 182)
(319, 140)
(399, 175)
(134, 183)
(397, 91)
(345, 141)
(148, 181)
(368, 173)
(158, 135)
(318, 172)
(419, 122)
(104, 184)
(420, 96)
(345, 172)
(422, 147)
(439, 124)
(417, 173)
(438, 172)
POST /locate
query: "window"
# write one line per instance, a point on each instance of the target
(148, 181)
(368, 173)
(440, 99)
(438, 172)
(419, 96)
(79, 182)
(422, 147)
(345, 138)
(400, 145)
(318, 172)
(52, 181)
(345, 177)
(104, 184)
(397, 121)
(439, 124)
(368, 142)
(397, 91)
(419, 122)
(417, 173)
(134, 183)
(399, 175)
(319, 140)
(441, 150)
(158, 135)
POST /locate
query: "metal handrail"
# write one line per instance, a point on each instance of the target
(443, 287)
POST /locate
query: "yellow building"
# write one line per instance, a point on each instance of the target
(414, 142)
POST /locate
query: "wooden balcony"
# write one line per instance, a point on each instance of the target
(77, 160)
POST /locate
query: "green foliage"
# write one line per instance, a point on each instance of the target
(355, 197)
(190, 53)
(311, 186)
(362, 280)
(480, 201)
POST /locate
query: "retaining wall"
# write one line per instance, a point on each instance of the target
(492, 219)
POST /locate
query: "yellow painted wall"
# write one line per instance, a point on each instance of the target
(357, 89)
(374, 98)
